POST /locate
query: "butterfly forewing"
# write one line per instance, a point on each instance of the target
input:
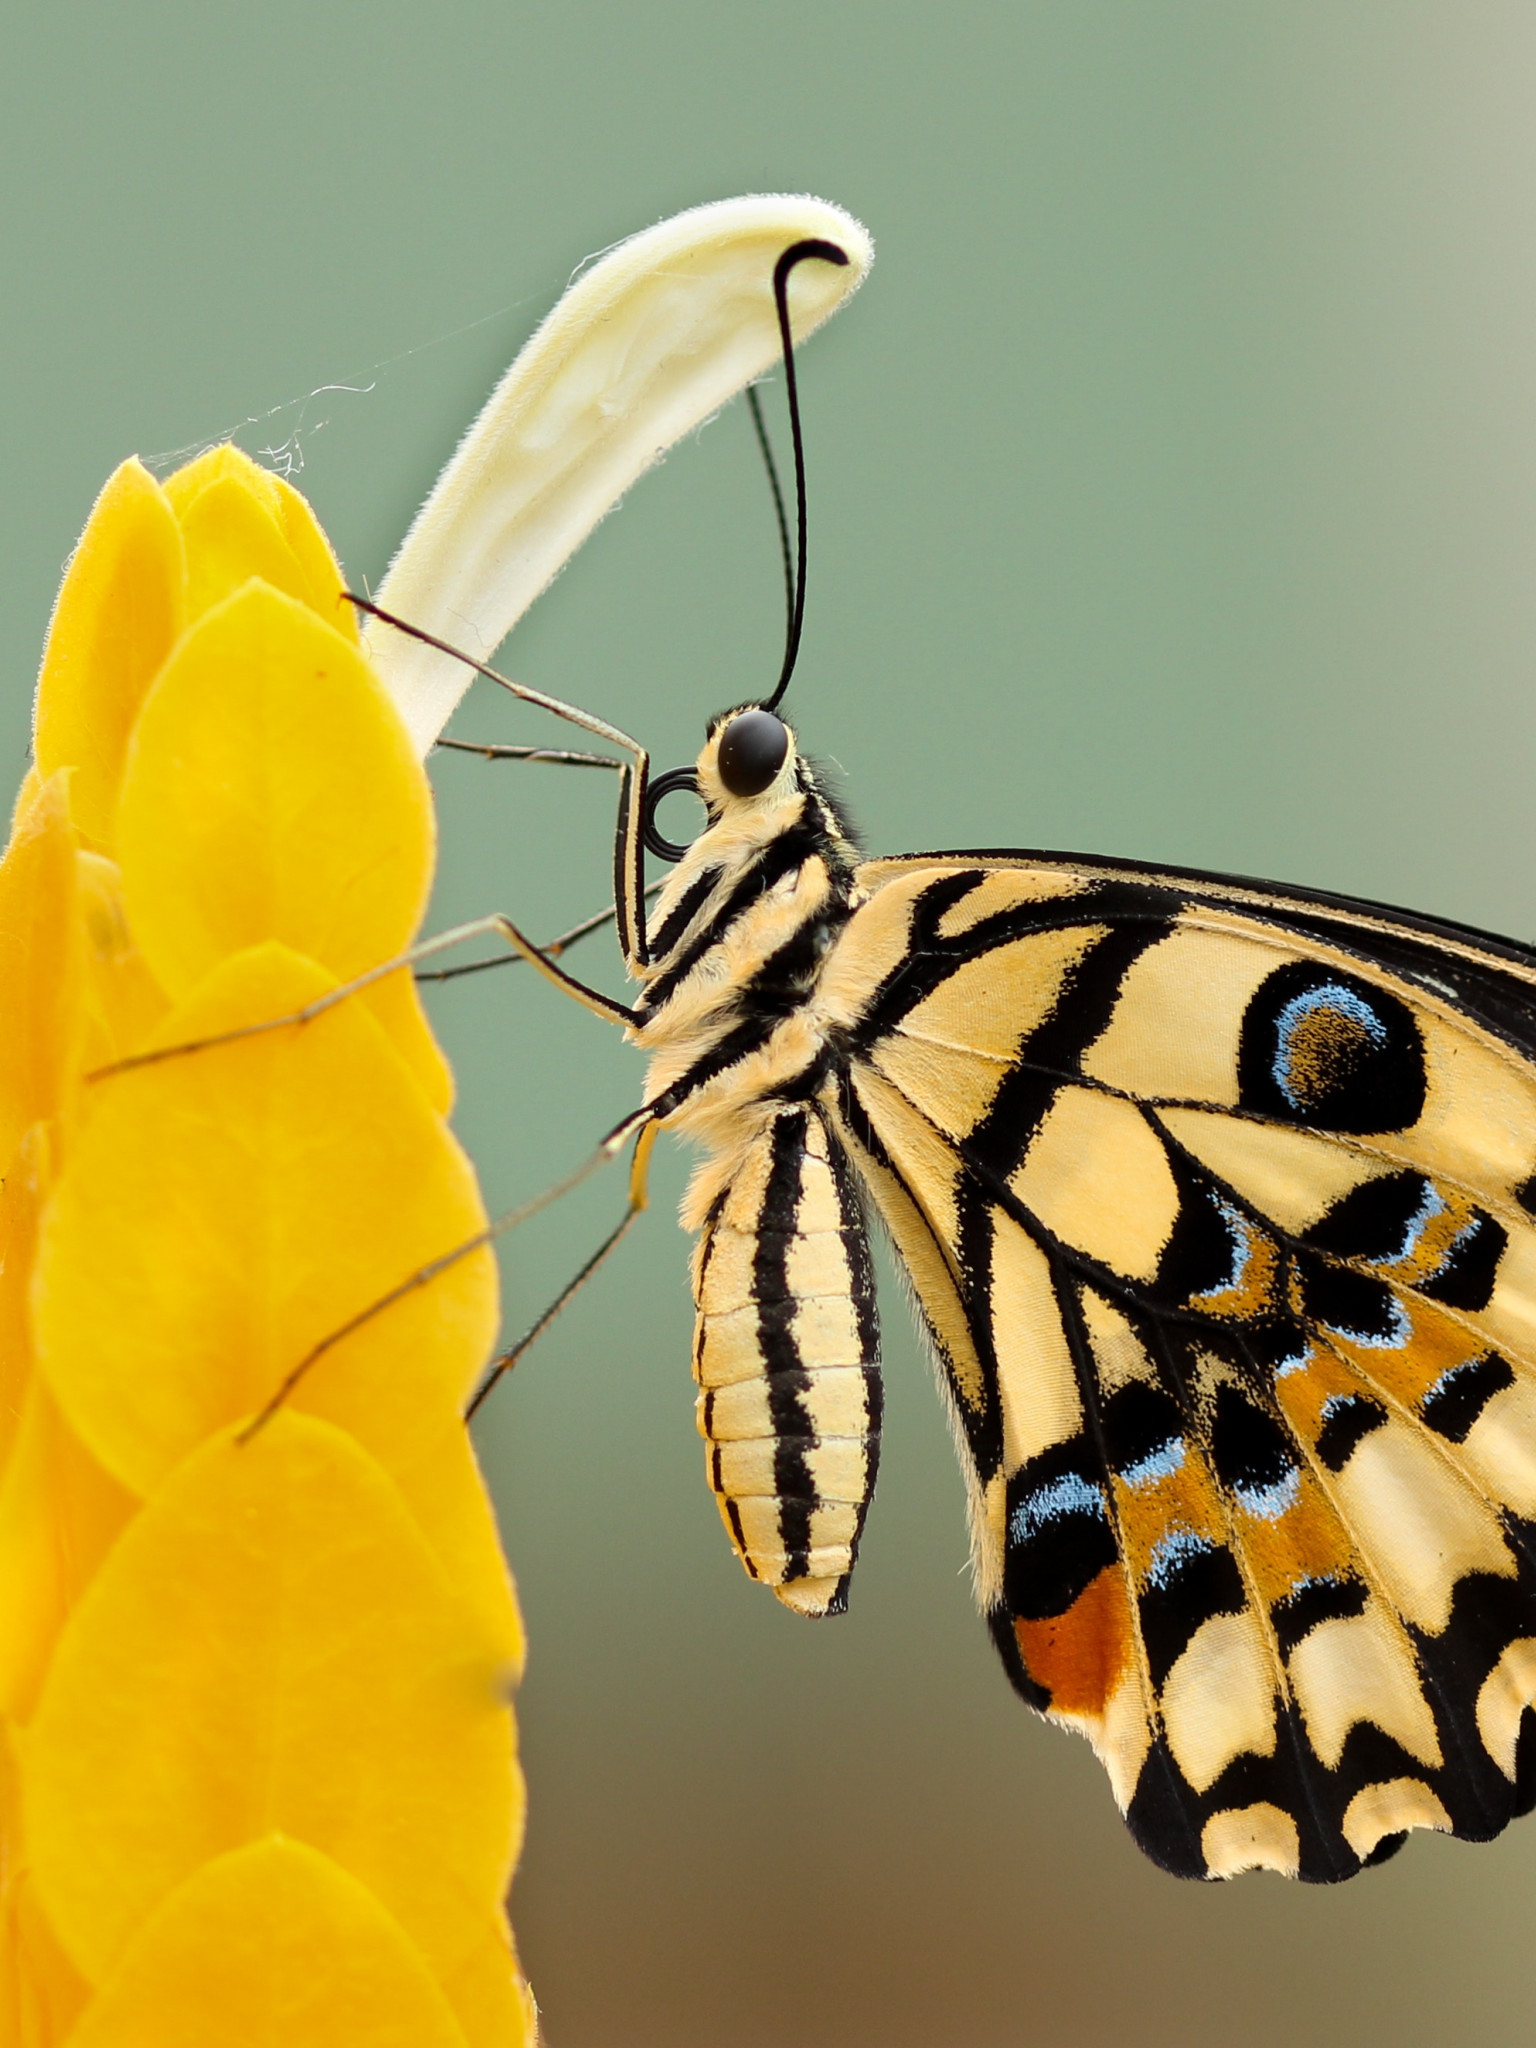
(1214, 1199)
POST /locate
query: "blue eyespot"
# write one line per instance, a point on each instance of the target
(1323, 1012)
(1321, 1048)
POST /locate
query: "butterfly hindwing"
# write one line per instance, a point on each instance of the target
(1214, 1200)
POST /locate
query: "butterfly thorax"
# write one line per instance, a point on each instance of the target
(738, 942)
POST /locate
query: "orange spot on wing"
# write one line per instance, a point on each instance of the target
(1079, 1656)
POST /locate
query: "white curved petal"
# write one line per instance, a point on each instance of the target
(642, 348)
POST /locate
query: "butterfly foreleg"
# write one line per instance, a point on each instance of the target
(634, 773)
(557, 757)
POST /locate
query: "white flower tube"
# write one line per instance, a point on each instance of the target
(642, 348)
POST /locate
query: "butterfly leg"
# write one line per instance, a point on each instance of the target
(638, 1198)
(640, 1122)
(634, 775)
(503, 927)
(559, 757)
(552, 950)
(497, 1228)
(628, 909)
(630, 891)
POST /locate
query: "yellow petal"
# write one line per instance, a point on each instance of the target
(230, 538)
(35, 789)
(239, 521)
(271, 1648)
(318, 566)
(41, 1991)
(274, 1946)
(123, 1000)
(26, 795)
(60, 1513)
(224, 1211)
(444, 1490)
(489, 1996)
(22, 1194)
(646, 345)
(41, 965)
(222, 464)
(271, 794)
(396, 1002)
(117, 618)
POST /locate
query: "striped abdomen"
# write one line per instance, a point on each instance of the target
(786, 1357)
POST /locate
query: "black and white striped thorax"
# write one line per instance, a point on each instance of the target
(786, 1345)
(737, 943)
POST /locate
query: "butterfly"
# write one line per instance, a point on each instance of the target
(1217, 1203)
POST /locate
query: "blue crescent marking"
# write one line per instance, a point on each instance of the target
(1433, 1205)
(1161, 1463)
(1269, 1503)
(1450, 1376)
(1241, 1241)
(1368, 1340)
(1070, 1495)
(1173, 1551)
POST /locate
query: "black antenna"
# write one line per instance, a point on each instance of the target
(765, 449)
(825, 252)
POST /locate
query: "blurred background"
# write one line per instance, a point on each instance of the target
(1173, 495)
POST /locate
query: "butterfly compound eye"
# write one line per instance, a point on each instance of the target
(752, 750)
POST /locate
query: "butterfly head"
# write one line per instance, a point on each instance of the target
(746, 775)
(748, 763)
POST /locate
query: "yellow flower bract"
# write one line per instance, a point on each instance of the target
(258, 1780)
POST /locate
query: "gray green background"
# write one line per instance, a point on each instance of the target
(1174, 492)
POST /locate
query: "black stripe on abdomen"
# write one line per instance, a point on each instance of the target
(787, 1377)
